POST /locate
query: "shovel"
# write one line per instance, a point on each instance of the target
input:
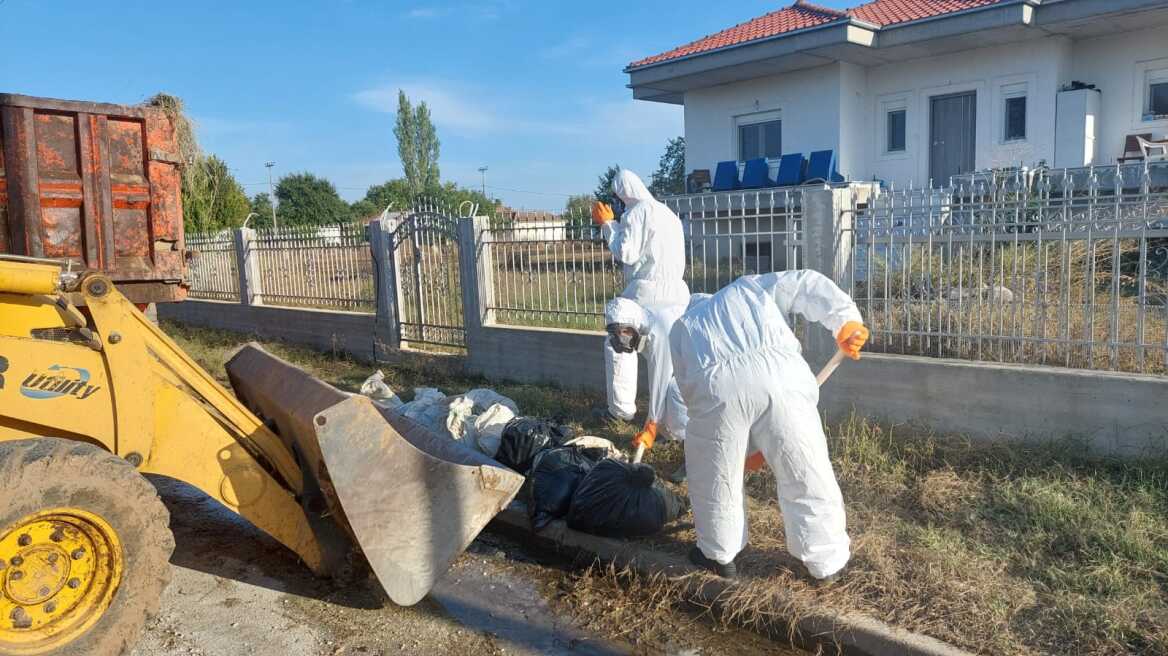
(820, 378)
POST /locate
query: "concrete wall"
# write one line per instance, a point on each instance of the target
(1116, 64)
(1116, 414)
(807, 101)
(990, 72)
(351, 333)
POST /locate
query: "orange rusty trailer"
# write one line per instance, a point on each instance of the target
(97, 184)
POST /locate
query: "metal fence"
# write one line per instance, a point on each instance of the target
(426, 252)
(1063, 267)
(558, 272)
(732, 234)
(316, 266)
(213, 266)
(552, 275)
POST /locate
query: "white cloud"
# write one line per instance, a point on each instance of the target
(428, 12)
(483, 10)
(567, 47)
(450, 108)
(474, 112)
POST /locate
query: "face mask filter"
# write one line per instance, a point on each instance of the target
(625, 338)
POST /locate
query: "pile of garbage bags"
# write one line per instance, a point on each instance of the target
(584, 480)
(475, 419)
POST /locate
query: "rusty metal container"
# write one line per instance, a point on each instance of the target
(98, 184)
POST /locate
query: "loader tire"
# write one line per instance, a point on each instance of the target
(85, 546)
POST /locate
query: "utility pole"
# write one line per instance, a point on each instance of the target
(272, 193)
(483, 172)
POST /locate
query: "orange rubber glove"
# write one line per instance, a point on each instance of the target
(601, 213)
(851, 339)
(647, 436)
(755, 461)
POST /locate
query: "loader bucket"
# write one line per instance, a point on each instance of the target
(410, 499)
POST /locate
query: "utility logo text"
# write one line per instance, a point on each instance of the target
(57, 381)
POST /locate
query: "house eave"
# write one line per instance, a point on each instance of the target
(851, 40)
(808, 48)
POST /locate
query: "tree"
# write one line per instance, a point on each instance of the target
(364, 209)
(212, 198)
(603, 191)
(417, 145)
(580, 205)
(305, 199)
(261, 205)
(394, 194)
(669, 178)
(578, 216)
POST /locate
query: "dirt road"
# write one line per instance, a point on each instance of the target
(235, 591)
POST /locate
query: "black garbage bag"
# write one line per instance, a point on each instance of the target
(620, 499)
(524, 437)
(552, 482)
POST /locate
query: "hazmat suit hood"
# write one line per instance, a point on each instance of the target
(626, 311)
(629, 188)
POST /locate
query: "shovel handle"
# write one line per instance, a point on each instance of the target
(824, 373)
(639, 453)
(829, 368)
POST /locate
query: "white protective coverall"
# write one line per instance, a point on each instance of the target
(654, 322)
(747, 387)
(648, 241)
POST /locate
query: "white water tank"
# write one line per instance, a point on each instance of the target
(1076, 118)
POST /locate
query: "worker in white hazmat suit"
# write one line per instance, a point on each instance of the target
(645, 330)
(648, 241)
(747, 388)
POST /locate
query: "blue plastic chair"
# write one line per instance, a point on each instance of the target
(726, 177)
(757, 174)
(821, 167)
(790, 170)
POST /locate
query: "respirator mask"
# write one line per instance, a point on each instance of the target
(625, 338)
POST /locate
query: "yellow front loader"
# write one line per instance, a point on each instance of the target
(93, 396)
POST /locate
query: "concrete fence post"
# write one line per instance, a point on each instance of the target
(248, 267)
(827, 238)
(472, 308)
(387, 327)
(485, 269)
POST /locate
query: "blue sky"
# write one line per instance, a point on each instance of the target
(533, 90)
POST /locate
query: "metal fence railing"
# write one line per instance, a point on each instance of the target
(556, 275)
(1054, 267)
(316, 266)
(213, 267)
(558, 272)
(736, 233)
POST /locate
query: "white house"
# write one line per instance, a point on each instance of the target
(917, 90)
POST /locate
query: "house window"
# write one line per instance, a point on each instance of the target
(897, 121)
(762, 139)
(1015, 119)
(1156, 95)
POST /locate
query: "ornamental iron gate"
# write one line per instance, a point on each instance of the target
(429, 291)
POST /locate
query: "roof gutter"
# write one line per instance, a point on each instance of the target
(962, 12)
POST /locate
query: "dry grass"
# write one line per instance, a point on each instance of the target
(997, 548)
(1075, 303)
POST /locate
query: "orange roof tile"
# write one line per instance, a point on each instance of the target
(803, 15)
